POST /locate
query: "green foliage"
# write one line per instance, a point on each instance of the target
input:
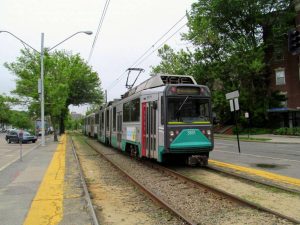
(73, 124)
(233, 43)
(174, 62)
(288, 131)
(68, 80)
(92, 108)
(4, 108)
(20, 119)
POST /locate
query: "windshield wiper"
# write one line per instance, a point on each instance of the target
(182, 105)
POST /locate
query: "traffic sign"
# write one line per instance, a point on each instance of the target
(232, 95)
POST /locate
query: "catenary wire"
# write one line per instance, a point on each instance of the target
(161, 44)
(151, 47)
(99, 28)
(136, 63)
(158, 40)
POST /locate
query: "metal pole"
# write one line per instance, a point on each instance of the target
(21, 150)
(248, 127)
(237, 131)
(42, 95)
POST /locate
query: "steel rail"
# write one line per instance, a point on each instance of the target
(86, 192)
(155, 197)
(208, 187)
(224, 193)
(248, 178)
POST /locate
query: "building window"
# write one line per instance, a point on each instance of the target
(284, 103)
(278, 54)
(280, 76)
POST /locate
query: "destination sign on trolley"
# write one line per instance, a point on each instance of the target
(186, 90)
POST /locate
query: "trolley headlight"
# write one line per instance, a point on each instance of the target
(171, 133)
(208, 132)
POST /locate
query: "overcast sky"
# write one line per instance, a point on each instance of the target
(129, 29)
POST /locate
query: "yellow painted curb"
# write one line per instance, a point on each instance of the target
(261, 173)
(47, 206)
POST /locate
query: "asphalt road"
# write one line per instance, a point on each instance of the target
(10, 153)
(277, 158)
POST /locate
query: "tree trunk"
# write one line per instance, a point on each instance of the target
(63, 115)
(62, 124)
(55, 135)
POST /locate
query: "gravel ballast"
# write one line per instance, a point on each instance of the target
(115, 199)
(199, 204)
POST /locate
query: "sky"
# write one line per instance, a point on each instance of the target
(129, 29)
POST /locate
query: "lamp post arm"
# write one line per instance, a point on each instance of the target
(86, 32)
(23, 42)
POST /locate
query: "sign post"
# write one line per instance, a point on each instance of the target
(21, 142)
(234, 107)
(247, 117)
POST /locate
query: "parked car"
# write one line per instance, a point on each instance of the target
(13, 136)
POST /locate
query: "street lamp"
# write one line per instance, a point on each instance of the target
(42, 71)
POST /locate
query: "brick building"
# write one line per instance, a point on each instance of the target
(286, 79)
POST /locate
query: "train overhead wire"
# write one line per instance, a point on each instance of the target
(99, 28)
(142, 58)
(151, 47)
(158, 40)
(161, 45)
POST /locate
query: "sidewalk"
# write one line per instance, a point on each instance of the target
(43, 188)
(263, 138)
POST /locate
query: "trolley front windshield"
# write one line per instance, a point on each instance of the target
(188, 109)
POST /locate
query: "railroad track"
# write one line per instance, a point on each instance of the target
(148, 192)
(187, 183)
(257, 181)
(252, 179)
(228, 195)
(85, 189)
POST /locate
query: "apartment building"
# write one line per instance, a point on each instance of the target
(285, 78)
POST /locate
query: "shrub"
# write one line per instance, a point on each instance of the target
(253, 130)
(288, 131)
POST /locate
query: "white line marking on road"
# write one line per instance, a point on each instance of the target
(18, 158)
(224, 144)
(257, 156)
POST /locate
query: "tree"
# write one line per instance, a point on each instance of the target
(174, 62)
(20, 119)
(4, 108)
(68, 80)
(74, 123)
(234, 43)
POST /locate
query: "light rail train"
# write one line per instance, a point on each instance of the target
(165, 118)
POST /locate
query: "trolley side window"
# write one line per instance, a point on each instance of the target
(102, 121)
(107, 119)
(131, 111)
(97, 118)
(114, 118)
(162, 109)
